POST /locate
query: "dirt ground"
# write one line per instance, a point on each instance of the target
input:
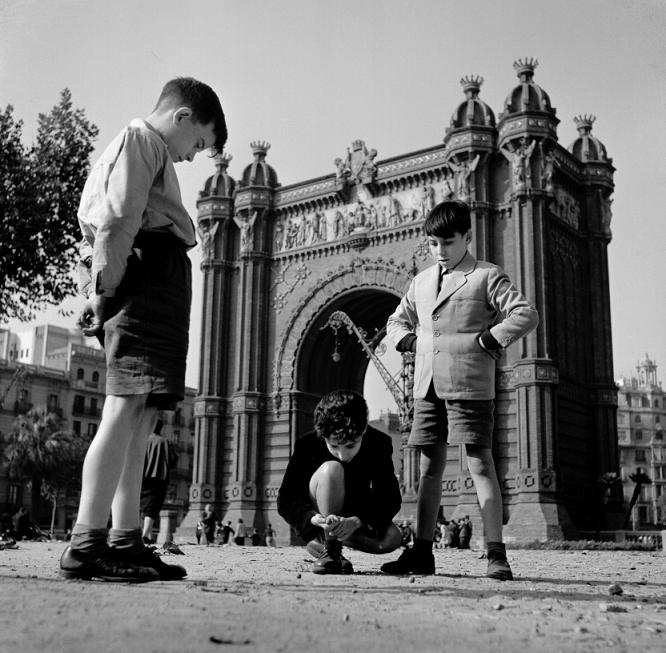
(250, 599)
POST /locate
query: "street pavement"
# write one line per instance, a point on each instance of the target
(250, 599)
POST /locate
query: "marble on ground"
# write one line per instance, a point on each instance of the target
(246, 599)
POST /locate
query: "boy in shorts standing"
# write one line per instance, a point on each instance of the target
(340, 486)
(457, 316)
(136, 235)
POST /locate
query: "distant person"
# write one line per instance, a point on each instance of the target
(457, 316)
(137, 280)
(340, 486)
(160, 458)
(22, 525)
(465, 532)
(208, 520)
(242, 532)
(227, 532)
(269, 535)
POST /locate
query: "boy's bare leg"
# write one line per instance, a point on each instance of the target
(126, 506)
(429, 497)
(105, 459)
(148, 523)
(482, 469)
(327, 488)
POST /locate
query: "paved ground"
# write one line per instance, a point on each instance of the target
(250, 599)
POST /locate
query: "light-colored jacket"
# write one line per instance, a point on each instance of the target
(474, 297)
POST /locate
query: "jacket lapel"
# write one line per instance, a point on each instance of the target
(455, 279)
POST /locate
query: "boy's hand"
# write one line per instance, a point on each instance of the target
(93, 315)
(342, 527)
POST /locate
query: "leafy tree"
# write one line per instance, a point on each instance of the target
(640, 479)
(41, 186)
(606, 482)
(40, 451)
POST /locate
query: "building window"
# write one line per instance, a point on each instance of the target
(637, 419)
(629, 401)
(79, 404)
(76, 427)
(53, 403)
(638, 435)
(13, 494)
(92, 429)
(79, 374)
(657, 419)
(640, 456)
(95, 377)
(93, 406)
(645, 402)
(656, 403)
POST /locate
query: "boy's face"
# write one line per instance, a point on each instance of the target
(448, 252)
(185, 138)
(343, 452)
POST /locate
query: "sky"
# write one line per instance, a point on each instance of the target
(310, 77)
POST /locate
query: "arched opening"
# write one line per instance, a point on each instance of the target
(317, 371)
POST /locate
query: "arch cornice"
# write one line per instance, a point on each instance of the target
(360, 273)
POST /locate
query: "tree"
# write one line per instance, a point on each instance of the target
(640, 479)
(606, 482)
(41, 186)
(39, 451)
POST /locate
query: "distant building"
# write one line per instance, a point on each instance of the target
(641, 415)
(58, 368)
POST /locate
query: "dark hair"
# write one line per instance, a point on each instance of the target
(341, 415)
(448, 218)
(202, 99)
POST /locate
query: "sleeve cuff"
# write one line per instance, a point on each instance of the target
(408, 343)
(488, 341)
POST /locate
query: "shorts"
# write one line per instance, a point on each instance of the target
(146, 338)
(465, 421)
(153, 494)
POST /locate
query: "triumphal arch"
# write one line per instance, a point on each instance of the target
(279, 261)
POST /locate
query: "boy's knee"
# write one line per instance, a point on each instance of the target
(331, 470)
(479, 461)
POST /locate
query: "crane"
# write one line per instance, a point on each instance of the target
(401, 393)
(19, 374)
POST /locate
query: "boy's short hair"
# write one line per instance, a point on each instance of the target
(202, 99)
(448, 218)
(341, 415)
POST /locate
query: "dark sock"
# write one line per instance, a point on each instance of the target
(496, 550)
(89, 540)
(127, 540)
(422, 547)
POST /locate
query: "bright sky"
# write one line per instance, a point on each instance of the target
(310, 77)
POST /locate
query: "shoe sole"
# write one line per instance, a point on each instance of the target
(342, 572)
(500, 576)
(76, 575)
(408, 573)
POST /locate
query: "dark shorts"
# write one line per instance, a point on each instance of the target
(153, 493)
(146, 339)
(439, 421)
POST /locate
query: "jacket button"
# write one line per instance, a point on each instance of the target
(436, 334)
(436, 351)
(435, 318)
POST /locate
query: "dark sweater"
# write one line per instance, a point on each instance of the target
(370, 472)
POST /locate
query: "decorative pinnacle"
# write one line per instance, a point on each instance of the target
(357, 145)
(259, 148)
(525, 68)
(584, 122)
(222, 161)
(471, 85)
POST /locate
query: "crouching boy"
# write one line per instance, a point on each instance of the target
(340, 487)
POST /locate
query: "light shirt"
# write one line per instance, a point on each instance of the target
(132, 187)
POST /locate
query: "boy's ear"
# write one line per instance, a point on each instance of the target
(468, 237)
(180, 114)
